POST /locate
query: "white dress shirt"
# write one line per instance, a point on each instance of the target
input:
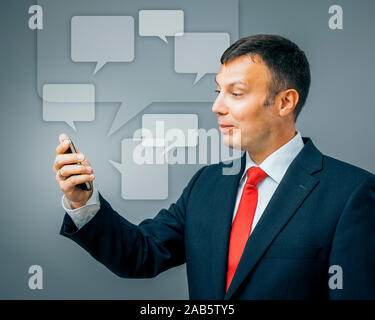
(275, 165)
(84, 214)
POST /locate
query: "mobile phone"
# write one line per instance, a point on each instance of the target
(86, 185)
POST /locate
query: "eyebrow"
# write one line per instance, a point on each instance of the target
(233, 83)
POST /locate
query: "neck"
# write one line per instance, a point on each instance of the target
(266, 148)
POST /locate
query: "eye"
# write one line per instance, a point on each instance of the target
(236, 94)
(217, 91)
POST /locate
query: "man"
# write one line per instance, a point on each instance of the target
(275, 230)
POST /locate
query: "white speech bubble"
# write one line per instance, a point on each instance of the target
(69, 103)
(102, 39)
(199, 53)
(161, 23)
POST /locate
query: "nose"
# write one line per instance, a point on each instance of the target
(219, 106)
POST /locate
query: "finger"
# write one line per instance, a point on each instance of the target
(63, 159)
(71, 169)
(63, 146)
(59, 176)
(69, 184)
(85, 162)
(63, 137)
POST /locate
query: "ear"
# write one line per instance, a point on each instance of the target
(287, 101)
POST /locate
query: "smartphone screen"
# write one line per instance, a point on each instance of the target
(86, 185)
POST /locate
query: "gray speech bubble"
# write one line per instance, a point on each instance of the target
(161, 23)
(102, 39)
(147, 181)
(69, 103)
(199, 53)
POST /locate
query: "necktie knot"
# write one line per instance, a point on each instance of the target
(255, 175)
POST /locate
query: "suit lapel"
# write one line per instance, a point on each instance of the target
(222, 206)
(292, 191)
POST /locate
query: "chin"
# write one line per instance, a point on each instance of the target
(232, 141)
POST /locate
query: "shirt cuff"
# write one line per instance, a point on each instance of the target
(84, 214)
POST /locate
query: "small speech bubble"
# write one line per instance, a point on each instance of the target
(144, 173)
(69, 103)
(102, 39)
(199, 53)
(161, 23)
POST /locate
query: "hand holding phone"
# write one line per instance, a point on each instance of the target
(73, 172)
(72, 149)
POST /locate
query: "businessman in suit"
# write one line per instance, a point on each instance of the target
(275, 230)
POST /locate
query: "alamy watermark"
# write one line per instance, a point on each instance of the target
(36, 280)
(336, 279)
(212, 147)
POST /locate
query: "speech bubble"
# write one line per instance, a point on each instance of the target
(69, 103)
(146, 181)
(161, 23)
(199, 53)
(150, 78)
(160, 124)
(102, 39)
(128, 109)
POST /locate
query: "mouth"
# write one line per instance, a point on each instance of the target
(225, 128)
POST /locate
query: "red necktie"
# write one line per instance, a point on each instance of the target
(243, 221)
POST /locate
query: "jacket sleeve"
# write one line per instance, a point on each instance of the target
(353, 246)
(132, 251)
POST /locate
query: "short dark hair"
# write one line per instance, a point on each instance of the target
(285, 60)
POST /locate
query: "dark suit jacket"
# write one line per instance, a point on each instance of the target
(321, 214)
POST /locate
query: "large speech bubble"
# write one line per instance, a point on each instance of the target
(199, 53)
(102, 39)
(161, 23)
(141, 181)
(69, 103)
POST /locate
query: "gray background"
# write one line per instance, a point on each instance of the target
(338, 116)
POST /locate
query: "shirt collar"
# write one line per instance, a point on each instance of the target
(276, 164)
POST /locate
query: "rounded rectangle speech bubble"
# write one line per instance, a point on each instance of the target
(102, 39)
(199, 52)
(161, 23)
(69, 103)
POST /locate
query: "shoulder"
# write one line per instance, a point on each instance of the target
(207, 173)
(344, 171)
(340, 180)
(312, 159)
(214, 171)
(217, 173)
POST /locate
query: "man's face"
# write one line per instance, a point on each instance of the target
(242, 87)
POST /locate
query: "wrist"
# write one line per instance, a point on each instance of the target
(76, 205)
